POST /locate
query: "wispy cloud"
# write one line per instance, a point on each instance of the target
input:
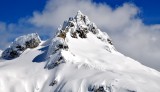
(130, 35)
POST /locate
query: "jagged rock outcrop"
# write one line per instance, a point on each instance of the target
(54, 57)
(79, 26)
(20, 45)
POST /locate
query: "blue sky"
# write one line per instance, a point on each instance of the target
(12, 10)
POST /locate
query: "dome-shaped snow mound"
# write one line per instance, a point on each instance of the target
(20, 44)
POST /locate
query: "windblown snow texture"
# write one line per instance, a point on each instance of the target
(80, 58)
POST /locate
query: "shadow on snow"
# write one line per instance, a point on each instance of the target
(42, 56)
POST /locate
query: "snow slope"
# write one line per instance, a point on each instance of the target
(80, 58)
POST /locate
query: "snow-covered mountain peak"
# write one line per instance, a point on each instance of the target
(80, 26)
(80, 58)
(80, 46)
(78, 35)
(79, 14)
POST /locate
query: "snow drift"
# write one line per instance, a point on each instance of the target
(80, 58)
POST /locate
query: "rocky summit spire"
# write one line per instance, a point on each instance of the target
(78, 27)
(79, 13)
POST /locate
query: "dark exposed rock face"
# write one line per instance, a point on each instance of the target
(53, 83)
(74, 35)
(20, 45)
(62, 34)
(82, 33)
(32, 43)
(9, 54)
(107, 88)
(100, 89)
(62, 46)
(109, 41)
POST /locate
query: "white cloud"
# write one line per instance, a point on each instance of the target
(56, 11)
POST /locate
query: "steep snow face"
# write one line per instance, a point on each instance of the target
(80, 58)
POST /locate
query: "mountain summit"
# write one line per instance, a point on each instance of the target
(80, 58)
